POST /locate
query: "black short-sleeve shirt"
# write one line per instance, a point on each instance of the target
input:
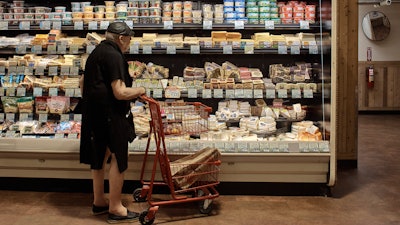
(104, 122)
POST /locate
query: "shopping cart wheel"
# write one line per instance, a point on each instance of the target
(144, 220)
(205, 206)
(137, 195)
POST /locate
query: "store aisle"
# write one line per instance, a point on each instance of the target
(369, 195)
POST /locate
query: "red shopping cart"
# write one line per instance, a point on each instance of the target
(190, 178)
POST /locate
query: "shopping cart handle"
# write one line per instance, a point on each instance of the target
(218, 162)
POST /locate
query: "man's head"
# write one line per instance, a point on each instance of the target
(120, 33)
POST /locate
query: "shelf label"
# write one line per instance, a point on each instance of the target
(282, 93)
(243, 146)
(72, 135)
(92, 25)
(2, 70)
(61, 49)
(74, 49)
(258, 93)
(248, 93)
(45, 25)
(296, 93)
(53, 70)
(192, 93)
(248, 49)
(3, 25)
(59, 135)
(227, 49)
(282, 49)
(10, 134)
(39, 71)
(90, 48)
(168, 25)
(158, 93)
(10, 116)
(269, 25)
(57, 25)
(78, 93)
(295, 50)
(218, 93)
(1, 91)
(25, 25)
(206, 93)
(147, 49)
(304, 24)
(69, 92)
(207, 25)
(254, 146)
(65, 70)
(77, 117)
(64, 117)
(230, 93)
(239, 93)
(194, 49)
(78, 25)
(1, 117)
(308, 93)
(43, 117)
(239, 24)
(104, 24)
(134, 49)
(20, 49)
(230, 146)
(23, 116)
(53, 91)
(129, 23)
(36, 49)
(171, 49)
(51, 49)
(270, 93)
(172, 93)
(313, 49)
(21, 91)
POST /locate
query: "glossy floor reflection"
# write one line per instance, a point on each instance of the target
(369, 194)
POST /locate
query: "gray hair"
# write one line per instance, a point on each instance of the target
(111, 36)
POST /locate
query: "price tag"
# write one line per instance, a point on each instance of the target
(296, 93)
(218, 93)
(282, 93)
(1, 91)
(308, 93)
(37, 91)
(90, 48)
(248, 49)
(168, 25)
(270, 93)
(192, 93)
(303, 147)
(78, 93)
(74, 49)
(45, 25)
(92, 25)
(28, 71)
(25, 25)
(313, 49)
(134, 49)
(242, 146)
(51, 49)
(274, 147)
(3, 25)
(283, 147)
(207, 25)
(65, 70)
(158, 93)
(21, 91)
(258, 93)
(72, 135)
(254, 147)
(172, 93)
(1, 117)
(295, 50)
(219, 145)
(239, 24)
(57, 25)
(64, 117)
(2, 70)
(10, 116)
(195, 49)
(39, 71)
(269, 25)
(10, 134)
(77, 117)
(227, 49)
(304, 24)
(230, 93)
(10, 91)
(104, 24)
(20, 71)
(78, 25)
(59, 135)
(324, 146)
(12, 70)
(61, 49)
(171, 49)
(69, 92)
(248, 93)
(36, 49)
(53, 92)
(43, 117)
(206, 93)
(20, 49)
(313, 146)
(129, 23)
(53, 70)
(147, 49)
(23, 116)
(239, 93)
(282, 49)
(230, 146)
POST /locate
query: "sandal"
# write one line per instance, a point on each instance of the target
(98, 210)
(130, 217)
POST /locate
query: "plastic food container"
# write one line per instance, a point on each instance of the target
(109, 3)
(88, 8)
(177, 5)
(59, 9)
(98, 15)
(77, 15)
(110, 8)
(18, 3)
(99, 8)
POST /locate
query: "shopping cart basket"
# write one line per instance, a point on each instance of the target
(189, 179)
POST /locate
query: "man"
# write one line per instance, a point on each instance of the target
(106, 97)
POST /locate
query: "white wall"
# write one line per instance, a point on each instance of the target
(388, 49)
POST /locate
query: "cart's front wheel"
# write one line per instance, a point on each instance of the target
(205, 206)
(145, 221)
(137, 195)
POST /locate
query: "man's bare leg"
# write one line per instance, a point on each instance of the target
(98, 184)
(116, 181)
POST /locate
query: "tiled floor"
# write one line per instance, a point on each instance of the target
(367, 195)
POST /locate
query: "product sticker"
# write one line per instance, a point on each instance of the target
(10, 134)
(303, 147)
(53, 70)
(78, 93)
(23, 117)
(274, 147)
(1, 117)
(2, 70)
(90, 48)
(69, 92)
(1, 91)
(72, 135)
(28, 71)
(20, 49)
(10, 116)
(324, 146)
(313, 49)
(65, 70)
(220, 145)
